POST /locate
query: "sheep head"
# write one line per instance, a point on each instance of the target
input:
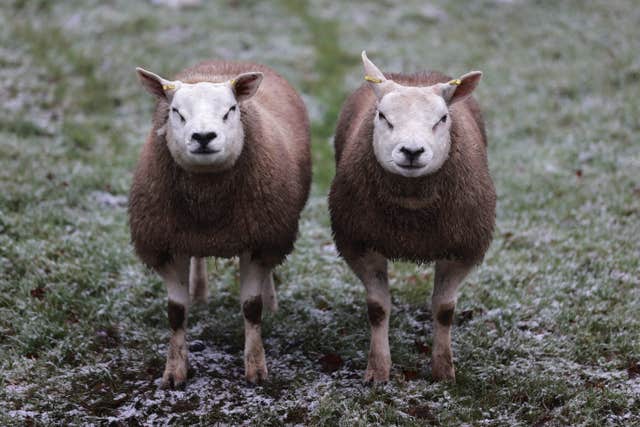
(411, 131)
(203, 130)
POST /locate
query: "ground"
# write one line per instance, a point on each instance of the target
(547, 330)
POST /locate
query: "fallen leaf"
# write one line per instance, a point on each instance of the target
(542, 421)
(409, 374)
(331, 362)
(196, 346)
(599, 384)
(421, 411)
(107, 337)
(422, 347)
(72, 318)
(38, 292)
(465, 316)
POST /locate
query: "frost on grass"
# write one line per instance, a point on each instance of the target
(109, 200)
(125, 385)
(546, 330)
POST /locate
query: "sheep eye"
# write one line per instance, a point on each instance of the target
(226, 116)
(384, 118)
(442, 120)
(175, 110)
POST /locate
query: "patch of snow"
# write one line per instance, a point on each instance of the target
(432, 12)
(109, 200)
(23, 414)
(177, 4)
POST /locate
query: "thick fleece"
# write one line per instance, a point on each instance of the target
(449, 214)
(252, 207)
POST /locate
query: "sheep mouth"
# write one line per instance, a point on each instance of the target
(410, 166)
(203, 151)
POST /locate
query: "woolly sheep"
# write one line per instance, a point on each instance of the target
(412, 183)
(225, 172)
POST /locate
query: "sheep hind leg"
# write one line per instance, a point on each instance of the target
(198, 287)
(253, 275)
(269, 296)
(176, 277)
(448, 277)
(371, 269)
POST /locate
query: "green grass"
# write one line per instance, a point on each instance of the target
(547, 329)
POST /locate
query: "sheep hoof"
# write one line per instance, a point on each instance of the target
(442, 369)
(175, 375)
(255, 374)
(172, 381)
(255, 364)
(379, 376)
(378, 369)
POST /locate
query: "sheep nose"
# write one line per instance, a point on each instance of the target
(411, 153)
(203, 138)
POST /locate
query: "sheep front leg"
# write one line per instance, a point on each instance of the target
(254, 277)
(449, 275)
(176, 277)
(198, 288)
(371, 269)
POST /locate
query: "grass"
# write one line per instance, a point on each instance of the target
(547, 331)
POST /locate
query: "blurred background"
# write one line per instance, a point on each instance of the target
(547, 331)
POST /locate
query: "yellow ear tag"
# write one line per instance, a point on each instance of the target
(232, 82)
(372, 79)
(168, 87)
(455, 82)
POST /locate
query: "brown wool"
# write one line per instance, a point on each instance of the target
(449, 214)
(252, 207)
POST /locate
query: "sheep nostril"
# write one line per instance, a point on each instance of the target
(412, 153)
(203, 138)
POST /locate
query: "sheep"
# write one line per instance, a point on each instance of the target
(412, 183)
(225, 172)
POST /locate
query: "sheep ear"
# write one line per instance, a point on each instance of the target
(460, 89)
(246, 85)
(156, 85)
(376, 79)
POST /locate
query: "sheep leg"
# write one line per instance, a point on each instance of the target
(198, 288)
(253, 276)
(269, 297)
(371, 269)
(449, 275)
(176, 277)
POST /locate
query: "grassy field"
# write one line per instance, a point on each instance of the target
(547, 329)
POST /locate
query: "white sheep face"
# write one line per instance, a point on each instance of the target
(204, 132)
(411, 128)
(411, 131)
